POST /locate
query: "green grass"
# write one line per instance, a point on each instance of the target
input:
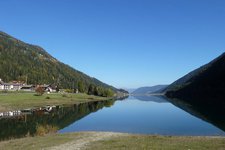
(15, 100)
(142, 142)
(38, 142)
(120, 142)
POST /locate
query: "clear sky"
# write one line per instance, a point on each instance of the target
(125, 43)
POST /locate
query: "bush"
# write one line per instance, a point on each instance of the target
(69, 90)
(42, 130)
(40, 91)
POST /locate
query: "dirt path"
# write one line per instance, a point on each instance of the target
(85, 140)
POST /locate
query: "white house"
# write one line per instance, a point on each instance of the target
(17, 86)
(7, 86)
(27, 88)
(1, 85)
(10, 86)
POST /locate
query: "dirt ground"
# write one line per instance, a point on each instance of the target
(87, 139)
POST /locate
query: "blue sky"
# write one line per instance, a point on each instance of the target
(125, 43)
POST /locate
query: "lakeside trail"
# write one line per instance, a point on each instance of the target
(88, 138)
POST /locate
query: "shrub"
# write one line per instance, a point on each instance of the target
(40, 91)
(69, 90)
(42, 130)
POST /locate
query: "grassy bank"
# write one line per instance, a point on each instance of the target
(115, 141)
(136, 142)
(15, 100)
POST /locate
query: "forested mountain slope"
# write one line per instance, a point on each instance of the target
(22, 61)
(207, 82)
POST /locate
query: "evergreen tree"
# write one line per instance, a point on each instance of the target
(81, 87)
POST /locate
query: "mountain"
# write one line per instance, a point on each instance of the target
(148, 90)
(25, 62)
(206, 82)
(149, 98)
(130, 90)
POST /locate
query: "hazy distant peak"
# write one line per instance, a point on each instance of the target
(148, 89)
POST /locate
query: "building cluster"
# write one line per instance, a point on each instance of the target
(20, 86)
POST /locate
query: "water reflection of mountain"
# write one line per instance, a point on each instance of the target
(59, 117)
(213, 113)
(156, 99)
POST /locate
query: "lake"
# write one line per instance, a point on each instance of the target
(141, 115)
(144, 115)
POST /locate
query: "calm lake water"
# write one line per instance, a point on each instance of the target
(144, 115)
(141, 115)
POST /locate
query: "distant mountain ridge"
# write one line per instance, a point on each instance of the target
(148, 90)
(130, 90)
(21, 61)
(147, 98)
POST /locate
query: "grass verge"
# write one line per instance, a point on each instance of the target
(15, 101)
(145, 142)
(118, 142)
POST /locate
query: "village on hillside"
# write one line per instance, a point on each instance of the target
(21, 86)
